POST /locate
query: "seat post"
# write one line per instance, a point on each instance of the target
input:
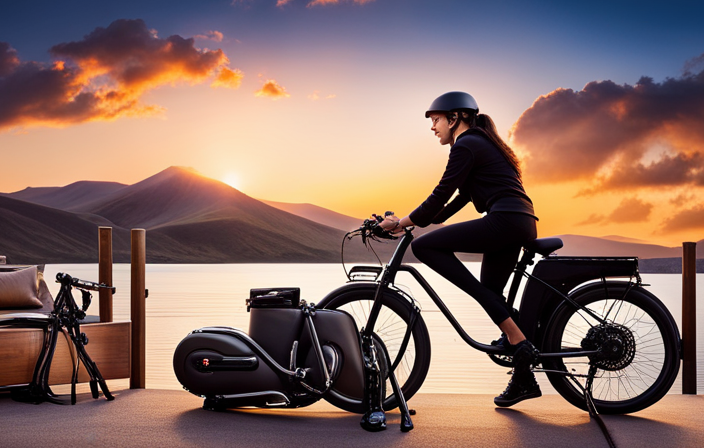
(525, 261)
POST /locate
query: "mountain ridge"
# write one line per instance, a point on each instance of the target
(191, 218)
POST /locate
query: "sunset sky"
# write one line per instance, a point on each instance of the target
(322, 101)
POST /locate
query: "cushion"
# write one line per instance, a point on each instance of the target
(19, 289)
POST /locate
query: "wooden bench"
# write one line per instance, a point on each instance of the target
(108, 345)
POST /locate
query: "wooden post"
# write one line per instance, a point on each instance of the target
(689, 318)
(105, 272)
(138, 309)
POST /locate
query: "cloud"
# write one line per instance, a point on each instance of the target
(609, 132)
(100, 77)
(228, 78)
(330, 2)
(216, 36)
(8, 59)
(315, 96)
(631, 210)
(667, 171)
(689, 219)
(272, 89)
(628, 211)
(681, 199)
(282, 2)
(593, 219)
(694, 64)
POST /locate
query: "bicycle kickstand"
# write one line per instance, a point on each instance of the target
(588, 392)
(406, 422)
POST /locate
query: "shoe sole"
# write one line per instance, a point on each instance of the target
(508, 403)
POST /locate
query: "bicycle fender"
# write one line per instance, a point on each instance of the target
(359, 286)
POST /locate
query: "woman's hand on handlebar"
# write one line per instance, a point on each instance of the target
(391, 224)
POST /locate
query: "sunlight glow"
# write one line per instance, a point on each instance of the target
(232, 180)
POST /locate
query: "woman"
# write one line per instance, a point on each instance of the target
(484, 170)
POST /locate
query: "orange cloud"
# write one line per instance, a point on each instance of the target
(630, 210)
(216, 36)
(102, 76)
(282, 2)
(272, 89)
(690, 219)
(228, 78)
(617, 137)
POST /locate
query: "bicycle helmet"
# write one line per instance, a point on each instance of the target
(451, 101)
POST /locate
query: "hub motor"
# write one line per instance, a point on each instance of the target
(615, 344)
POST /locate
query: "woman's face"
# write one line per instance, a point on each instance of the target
(441, 128)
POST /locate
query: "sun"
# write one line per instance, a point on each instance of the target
(232, 180)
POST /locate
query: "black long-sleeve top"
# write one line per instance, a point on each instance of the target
(481, 173)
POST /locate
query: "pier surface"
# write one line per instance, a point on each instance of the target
(172, 418)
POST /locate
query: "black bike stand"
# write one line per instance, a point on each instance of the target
(66, 315)
(591, 407)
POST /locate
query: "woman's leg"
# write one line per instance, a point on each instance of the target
(498, 236)
(437, 250)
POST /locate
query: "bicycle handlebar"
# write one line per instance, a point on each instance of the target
(66, 279)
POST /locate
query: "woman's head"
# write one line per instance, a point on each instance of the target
(453, 113)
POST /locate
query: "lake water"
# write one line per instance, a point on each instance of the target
(185, 297)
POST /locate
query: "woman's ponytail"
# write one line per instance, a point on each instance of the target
(486, 124)
(481, 120)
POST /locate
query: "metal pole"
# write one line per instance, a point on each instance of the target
(138, 309)
(105, 272)
(689, 318)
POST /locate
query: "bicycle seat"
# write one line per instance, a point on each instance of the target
(543, 246)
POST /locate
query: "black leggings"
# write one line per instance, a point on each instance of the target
(499, 236)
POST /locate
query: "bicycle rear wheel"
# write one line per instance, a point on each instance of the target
(394, 318)
(638, 343)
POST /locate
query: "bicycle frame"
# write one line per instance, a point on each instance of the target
(387, 274)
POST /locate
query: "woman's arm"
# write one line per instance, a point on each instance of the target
(458, 167)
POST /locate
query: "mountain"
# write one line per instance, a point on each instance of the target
(623, 239)
(318, 214)
(577, 245)
(194, 219)
(32, 233)
(189, 219)
(71, 197)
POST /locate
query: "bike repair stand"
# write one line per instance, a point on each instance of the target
(65, 317)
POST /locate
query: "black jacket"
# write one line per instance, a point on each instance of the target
(481, 173)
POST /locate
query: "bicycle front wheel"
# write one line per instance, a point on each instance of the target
(395, 315)
(638, 345)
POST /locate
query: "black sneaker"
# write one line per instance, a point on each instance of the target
(517, 391)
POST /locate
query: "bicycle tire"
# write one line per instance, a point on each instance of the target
(391, 327)
(622, 386)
